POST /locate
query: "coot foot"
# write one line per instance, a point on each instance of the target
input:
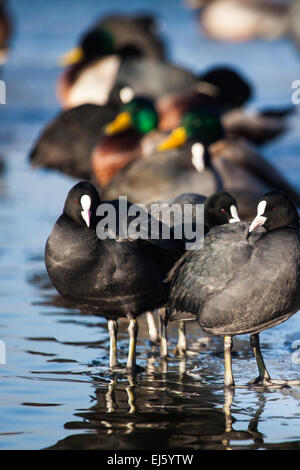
(274, 383)
(264, 378)
(120, 369)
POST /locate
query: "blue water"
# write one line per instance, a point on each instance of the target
(55, 389)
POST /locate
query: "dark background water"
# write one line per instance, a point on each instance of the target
(55, 388)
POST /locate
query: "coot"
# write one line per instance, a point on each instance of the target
(111, 277)
(245, 279)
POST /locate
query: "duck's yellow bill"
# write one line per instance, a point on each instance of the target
(177, 138)
(120, 124)
(72, 57)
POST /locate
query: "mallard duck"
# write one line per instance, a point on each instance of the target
(244, 280)
(132, 134)
(119, 51)
(92, 83)
(114, 35)
(132, 35)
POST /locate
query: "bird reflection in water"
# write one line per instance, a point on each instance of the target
(160, 410)
(251, 433)
(111, 403)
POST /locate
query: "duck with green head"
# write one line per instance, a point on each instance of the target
(118, 50)
(111, 35)
(198, 123)
(132, 134)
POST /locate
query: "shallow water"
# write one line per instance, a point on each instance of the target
(55, 388)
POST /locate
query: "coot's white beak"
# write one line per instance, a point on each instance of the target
(257, 222)
(234, 214)
(86, 203)
(198, 156)
(259, 219)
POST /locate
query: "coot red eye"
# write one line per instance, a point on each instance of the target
(223, 211)
(77, 202)
(273, 208)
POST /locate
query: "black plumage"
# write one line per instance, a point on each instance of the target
(245, 279)
(114, 278)
(67, 141)
(164, 175)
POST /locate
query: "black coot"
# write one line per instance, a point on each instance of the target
(245, 279)
(109, 277)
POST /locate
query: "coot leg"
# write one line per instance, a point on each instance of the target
(264, 377)
(153, 333)
(133, 332)
(181, 348)
(113, 330)
(163, 333)
(228, 377)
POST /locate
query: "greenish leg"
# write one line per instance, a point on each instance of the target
(264, 378)
(264, 375)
